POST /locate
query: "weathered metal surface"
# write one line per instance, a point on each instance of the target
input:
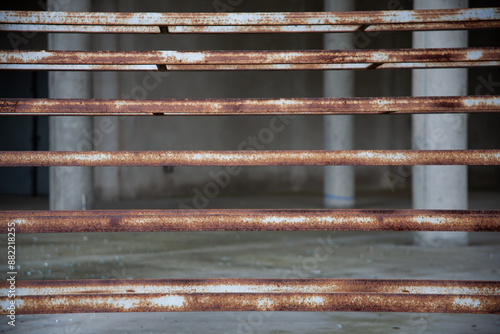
(253, 285)
(244, 57)
(249, 220)
(242, 29)
(70, 67)
(248, 60)
(249, 158)
(252, 19)
(332, 28)
(76, 28)
(303, 106)
(255, 67)
(36, 297)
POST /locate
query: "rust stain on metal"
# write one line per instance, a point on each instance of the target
(59, 28)
(250, 220)
(254, 285)
(249, 158)
(332, 28)
(248, 60)
(272, 19)
(245, 67)
(36, 297)
(304, 106)
(243, 57)
(78, 67)
(247, 29)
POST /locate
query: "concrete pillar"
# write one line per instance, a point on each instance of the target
(439, 187)
(70, 187)
(106, 85)
(338, 130)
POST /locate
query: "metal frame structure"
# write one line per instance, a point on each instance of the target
(300, 22)
(251, 294)
(297, 106)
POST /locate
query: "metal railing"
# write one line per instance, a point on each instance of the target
(248, 60)
(251, 294)
(258, 295)
(309, 22)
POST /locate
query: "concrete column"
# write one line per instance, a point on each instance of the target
(70, 187)
(338, 130)
(439, 187)
(106, 85)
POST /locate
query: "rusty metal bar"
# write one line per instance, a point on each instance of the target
(80, 296)
(256, 67)
(246, 67)
(252, 285)
(243, 57)
(303, 106)
(332, 28)
(249, 220)
(248, 60)
(245, 29)
(252, 19)
(108, 29)
(249, 158)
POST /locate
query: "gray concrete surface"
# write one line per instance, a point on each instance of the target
(338, 181)
(440, 187)
(70, 188)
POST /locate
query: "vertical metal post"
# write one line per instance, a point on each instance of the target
(70, 187)
(440, 187)
(338, 130)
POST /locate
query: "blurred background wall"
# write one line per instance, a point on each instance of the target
(230, 133)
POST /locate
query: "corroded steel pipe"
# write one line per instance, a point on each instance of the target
(249, 220)
(348, 302)
(256, 19)
(304, 106)
(109, 29)
(249, 158)
(247, 67)
(326, 28)
(246, 29)
(252, 285)
(254, 295)
(244, 57)
(248, 60)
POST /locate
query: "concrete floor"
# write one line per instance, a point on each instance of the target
(252, 254)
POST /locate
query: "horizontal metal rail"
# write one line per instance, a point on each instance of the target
(248, 29)
(249, 158)
(249, 220)
(274, 18)
(303, 106)
(252, 285)
(81, 296)
(246, 67)
(109, 29)
(242, 57)
(249, 60)
(288, 22)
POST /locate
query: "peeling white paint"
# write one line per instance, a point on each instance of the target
(175, 301)
(427, 220)
(315, 300)
(19, 221)
(279, 220)
(474, 55)
(467, 302)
